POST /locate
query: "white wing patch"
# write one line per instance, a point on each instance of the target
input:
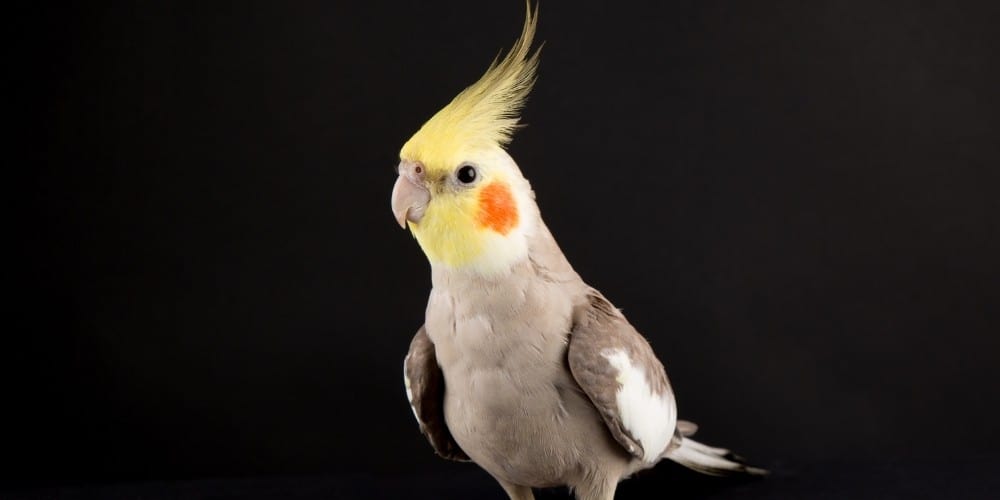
(648, 417)
(409, 391)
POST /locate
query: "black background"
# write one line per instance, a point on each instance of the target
(796, 202)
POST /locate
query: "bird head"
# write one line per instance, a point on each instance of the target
(459, 192)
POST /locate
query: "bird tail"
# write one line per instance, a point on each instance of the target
(709, 460)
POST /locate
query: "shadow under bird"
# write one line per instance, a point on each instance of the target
(520, 366)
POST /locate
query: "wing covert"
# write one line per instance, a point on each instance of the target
(425, 391)
(618, 370)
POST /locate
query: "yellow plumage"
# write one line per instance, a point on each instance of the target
(451, 235)
(482, 116)
(472, 129)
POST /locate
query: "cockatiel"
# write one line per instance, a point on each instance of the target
(520, 366)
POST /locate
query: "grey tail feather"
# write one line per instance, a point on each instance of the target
(686, 428)
(709, 460)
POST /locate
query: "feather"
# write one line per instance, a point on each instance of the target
(485, 114)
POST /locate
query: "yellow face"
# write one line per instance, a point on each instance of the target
(470, 215)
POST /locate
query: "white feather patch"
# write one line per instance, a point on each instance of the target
(409, 391)
(648, 417)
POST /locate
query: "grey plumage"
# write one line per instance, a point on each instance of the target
(524, 390)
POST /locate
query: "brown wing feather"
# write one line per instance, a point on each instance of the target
(425, 383)
(598, 328)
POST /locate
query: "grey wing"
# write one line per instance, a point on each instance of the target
(619, 372)
(425, 390)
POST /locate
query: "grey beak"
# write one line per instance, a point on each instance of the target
(409, 199)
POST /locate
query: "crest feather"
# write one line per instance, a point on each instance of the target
(485, 114)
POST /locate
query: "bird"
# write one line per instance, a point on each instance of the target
(520, 366)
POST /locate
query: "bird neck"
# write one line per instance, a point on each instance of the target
(541, 258)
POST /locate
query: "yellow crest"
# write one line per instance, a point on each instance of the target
(482, 116)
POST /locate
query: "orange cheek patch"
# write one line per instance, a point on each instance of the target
(497, 209)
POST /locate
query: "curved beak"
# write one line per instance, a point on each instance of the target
(409, 199)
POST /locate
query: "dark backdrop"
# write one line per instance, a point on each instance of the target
(796, 202)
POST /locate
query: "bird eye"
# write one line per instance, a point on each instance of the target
(466, 174)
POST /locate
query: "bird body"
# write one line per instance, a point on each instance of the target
(511, 402)
(521, 366)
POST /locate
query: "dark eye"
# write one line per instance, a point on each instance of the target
(466, 174)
